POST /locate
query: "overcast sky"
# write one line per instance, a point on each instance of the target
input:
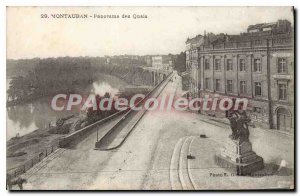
(164, 31)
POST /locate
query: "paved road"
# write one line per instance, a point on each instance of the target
(124, 128)
(82, 167)
(144, 159)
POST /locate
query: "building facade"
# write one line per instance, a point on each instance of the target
(157, 62)
(165, 62)
(192, 65)
(257, 65)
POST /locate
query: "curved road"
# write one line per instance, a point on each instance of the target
(144, 159)
(128, 167)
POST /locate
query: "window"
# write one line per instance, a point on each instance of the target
(257, 109)
(218, 85)
(257, 42)
(257, 88)
(207, 83)
(242, 65)
(206, 64)
(229, 65)
(257, 65)
(282, 91)
(267, 29)
(282, 65)
(243, 87)
(217, 64)
(229, 86)
(254, 30)
(194, 55)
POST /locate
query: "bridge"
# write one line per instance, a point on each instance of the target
(119, 132)
(157, 75)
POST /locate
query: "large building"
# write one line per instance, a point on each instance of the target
(257, 64)
(192, 64)
(157, 62)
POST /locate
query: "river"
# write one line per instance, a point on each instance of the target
(25, 118)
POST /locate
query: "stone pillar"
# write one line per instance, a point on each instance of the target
(239, 158)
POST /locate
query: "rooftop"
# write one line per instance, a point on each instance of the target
(281, 27)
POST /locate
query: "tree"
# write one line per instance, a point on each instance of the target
(179, 64)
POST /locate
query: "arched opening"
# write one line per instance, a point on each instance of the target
(284, 119)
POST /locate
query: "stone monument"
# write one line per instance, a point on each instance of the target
(237, 155)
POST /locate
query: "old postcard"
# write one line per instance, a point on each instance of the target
(150, 98)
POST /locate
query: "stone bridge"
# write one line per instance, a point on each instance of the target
(157, 75)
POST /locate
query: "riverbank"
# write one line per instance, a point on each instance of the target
(20, 150)
(24, 144)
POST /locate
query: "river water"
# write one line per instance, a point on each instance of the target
(25, 118)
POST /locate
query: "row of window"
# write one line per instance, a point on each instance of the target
(257, 66)
(282, 88)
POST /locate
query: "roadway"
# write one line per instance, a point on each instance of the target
(143, 161)
(82, 167)
(115, 138)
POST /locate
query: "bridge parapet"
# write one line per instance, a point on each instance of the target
(77, 135)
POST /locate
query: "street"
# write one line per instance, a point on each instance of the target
(144, 161)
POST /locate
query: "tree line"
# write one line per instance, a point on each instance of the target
(65, 74)
(34, 78)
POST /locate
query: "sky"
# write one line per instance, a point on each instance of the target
(164, 31)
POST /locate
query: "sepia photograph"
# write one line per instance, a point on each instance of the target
(150, 98)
